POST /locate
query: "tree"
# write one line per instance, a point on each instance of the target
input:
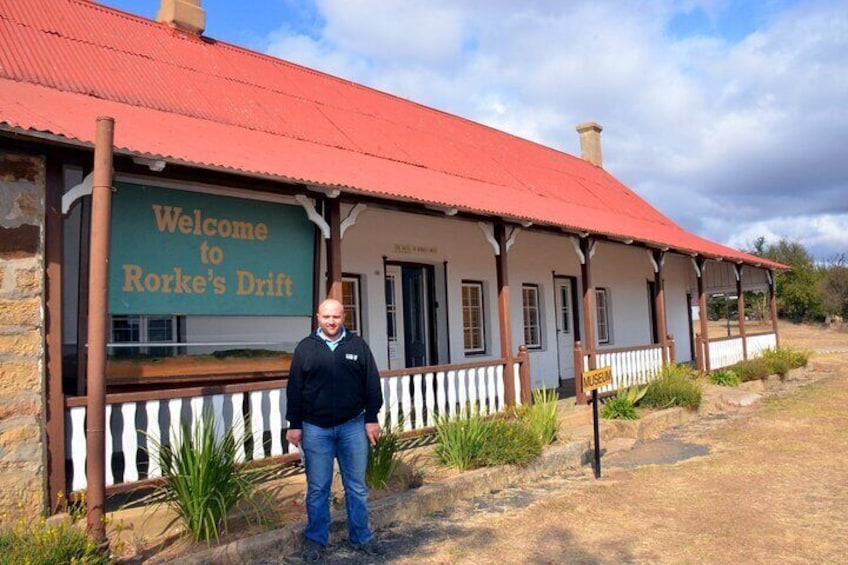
(798, 293)
(833, 286)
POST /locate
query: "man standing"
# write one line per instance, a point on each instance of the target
(334, 395)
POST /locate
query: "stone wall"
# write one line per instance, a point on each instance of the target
(22, 401)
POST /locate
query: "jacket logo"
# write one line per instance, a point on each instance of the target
(351, 356)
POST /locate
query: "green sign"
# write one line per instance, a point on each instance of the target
(181, 252)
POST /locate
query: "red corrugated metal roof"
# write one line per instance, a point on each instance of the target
(198, 101)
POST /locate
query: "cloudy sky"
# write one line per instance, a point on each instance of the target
(730, 116)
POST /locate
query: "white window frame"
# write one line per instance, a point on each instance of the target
(352, 308)
(531, 309)
(602, 316)
(143, 335)
(480, 328)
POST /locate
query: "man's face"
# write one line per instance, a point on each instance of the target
(331, 318)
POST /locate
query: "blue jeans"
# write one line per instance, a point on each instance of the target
(319, 446)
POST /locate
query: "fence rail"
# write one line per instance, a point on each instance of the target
(630, 365)
(138, 422)
(727, 351)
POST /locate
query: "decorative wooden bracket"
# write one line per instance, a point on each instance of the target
(313, 214)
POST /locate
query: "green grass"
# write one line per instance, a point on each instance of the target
(509, 442)
(725, 377)
(541, 416)
(35, 542)
(676, 385)
(622, 406)
(752, 369)
(460, 440)
(382, 457)
(202, 481)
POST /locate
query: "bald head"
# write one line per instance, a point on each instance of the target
(331, 317)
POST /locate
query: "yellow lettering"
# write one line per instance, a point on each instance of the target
(184, 224)
(166, 217)
(132, 279)
(242, 230)
(225, 228)
(261, 232)
(209, 225)
(246, 282)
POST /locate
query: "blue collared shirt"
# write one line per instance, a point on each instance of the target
(334, 343)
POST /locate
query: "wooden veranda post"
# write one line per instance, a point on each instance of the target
(95, 428)
(589, 341)
(740, 303)
(704, 345)
(504, 323)
(55, 414)
(773, 306)
(659, 302)
(334, 248)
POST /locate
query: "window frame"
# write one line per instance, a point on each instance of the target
(143, 329)
(481, 327)
(602, 315)
(535, 307)
(353, 311)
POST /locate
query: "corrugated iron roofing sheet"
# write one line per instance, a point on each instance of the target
(195, 100)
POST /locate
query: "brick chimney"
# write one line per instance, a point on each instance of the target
(590, 142)
(186, 15)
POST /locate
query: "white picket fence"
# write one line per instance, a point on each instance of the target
(630, 366)
(137, 422)
(725, 352)
(728, 351)
(757, 344)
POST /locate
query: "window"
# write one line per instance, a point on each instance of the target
(474, 337)
(391, 309)
(564, 308)
(530, 308)
(127, 331)
(602, 312)
(350, 301)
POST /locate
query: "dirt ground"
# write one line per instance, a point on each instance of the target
(767, 484)
(764, 484)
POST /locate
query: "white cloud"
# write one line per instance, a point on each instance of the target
(725, 136)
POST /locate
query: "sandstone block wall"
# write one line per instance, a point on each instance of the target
(22, 400)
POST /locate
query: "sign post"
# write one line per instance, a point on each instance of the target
(593, 380)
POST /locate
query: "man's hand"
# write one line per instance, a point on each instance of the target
(294, 437)
(372, 430)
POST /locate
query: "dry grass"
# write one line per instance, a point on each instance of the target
(772, 491)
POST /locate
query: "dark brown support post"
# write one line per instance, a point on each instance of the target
(659, 302)
(334, 248)
(98, 281)
(524, 375)
(318, 240)
(704, 345)
(588, 306)
(82, 293)
(773, 306)
(55, 413)
(740, 306)
(672, 353)
(578, 372)
(504, 323)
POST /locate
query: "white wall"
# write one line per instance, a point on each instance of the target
(676, 273)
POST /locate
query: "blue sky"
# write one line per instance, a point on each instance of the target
(728, 115)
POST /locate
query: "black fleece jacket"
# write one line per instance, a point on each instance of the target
(327, 388)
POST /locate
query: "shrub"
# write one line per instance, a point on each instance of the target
(782, 359)
(38, 543)
(202, 481)
(541, 417)
(752, 369)
(382, 457)
(725, 377)
(622, 406)
(459, 441)
(509, 442)
(676, 385)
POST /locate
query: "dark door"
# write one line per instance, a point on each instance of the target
(416, 315)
